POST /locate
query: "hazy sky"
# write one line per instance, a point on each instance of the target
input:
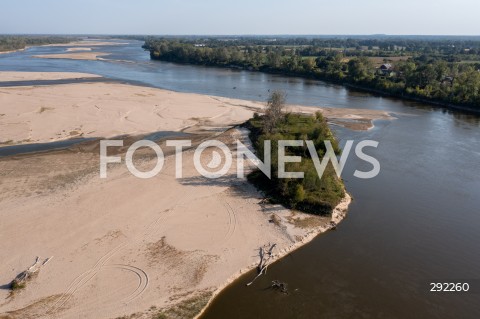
(446, 17)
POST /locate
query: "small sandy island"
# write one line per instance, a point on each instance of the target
(126, 246)
(74, 56)
(75, 46)
(78, 49)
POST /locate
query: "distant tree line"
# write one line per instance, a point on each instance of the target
(11, 43)
(441, 71)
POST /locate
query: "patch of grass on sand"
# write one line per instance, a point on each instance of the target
(16, 285)
(308, 222)
(132, 316)
(35, 310)
(186, 309)
(44, 108)
(9, 142)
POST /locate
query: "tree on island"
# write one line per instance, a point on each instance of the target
(274, 110)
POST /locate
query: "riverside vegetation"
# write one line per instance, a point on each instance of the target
(439, 70)
(12, 43)
(310, 194)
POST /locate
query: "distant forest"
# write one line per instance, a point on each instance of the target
(438, 70)
(12, 43)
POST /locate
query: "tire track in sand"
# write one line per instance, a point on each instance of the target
(232, 220)
(83, 279)
(88, 275)
(143, 280)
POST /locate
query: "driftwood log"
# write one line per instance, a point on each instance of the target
(22, 278)
(264, 261)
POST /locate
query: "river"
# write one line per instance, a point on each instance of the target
(417, 222)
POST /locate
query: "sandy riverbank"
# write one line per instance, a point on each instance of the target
(125, 245)
(6, 76)
(355, 119)
(51, 113)
(12, 51)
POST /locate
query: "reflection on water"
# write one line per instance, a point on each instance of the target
(417, 222)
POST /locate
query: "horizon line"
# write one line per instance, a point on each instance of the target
(250, 34)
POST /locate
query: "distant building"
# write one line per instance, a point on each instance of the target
(448, 80)
(386, 71)
(386, 66)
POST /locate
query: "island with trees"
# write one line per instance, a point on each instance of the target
(312, 194)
